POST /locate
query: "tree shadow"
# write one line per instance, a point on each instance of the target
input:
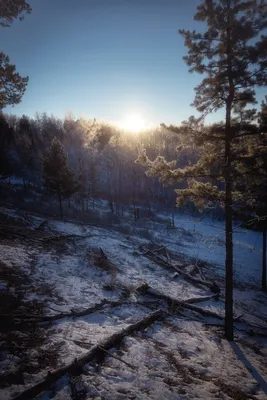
(255, 374)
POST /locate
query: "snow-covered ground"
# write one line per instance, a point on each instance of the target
(182, 357)
(204, 239)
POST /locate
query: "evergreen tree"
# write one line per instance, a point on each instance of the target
(253, 184)
(12, 85)
(93, 180)
(11, 10)
(59, 179)
(6, 137)
(26, 146)
(232, 54)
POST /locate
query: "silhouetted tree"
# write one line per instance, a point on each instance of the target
(93, 180)
(12, 85)
(59, 179)
(233, 56)
(11, 10)
(6, 137)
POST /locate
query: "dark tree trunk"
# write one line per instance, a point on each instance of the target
(229, 323)
(229, 333)
(263, 280)
(60, 205)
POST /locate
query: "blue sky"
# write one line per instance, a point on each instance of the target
(104, 59)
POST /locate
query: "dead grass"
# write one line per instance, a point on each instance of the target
(232, 391)
(182, 371)
(22, 343)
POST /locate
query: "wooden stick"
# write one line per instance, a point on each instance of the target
(118, 358)
(77, 364)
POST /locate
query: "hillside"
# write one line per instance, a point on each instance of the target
(128, 311)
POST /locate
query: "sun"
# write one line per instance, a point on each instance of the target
(133, 122)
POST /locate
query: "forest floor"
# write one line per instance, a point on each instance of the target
(127, 312)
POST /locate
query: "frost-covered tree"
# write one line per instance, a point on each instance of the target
(232, 54)
(253, 181)
(59, 178)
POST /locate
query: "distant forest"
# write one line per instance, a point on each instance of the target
(101, 157)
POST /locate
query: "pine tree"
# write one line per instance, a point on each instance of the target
(59, 179)
(12, 84)
(253, 184)
(233, 56)
(6, 137)
(11, 10)
(93, 180)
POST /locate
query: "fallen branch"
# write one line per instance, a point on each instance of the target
(61, 237)
(117, 358)
(154, 251)
(184, 304)
(203, 298)
(77, 364)
(257, 331)
(18, 232)
(48, 318)
(198, 282)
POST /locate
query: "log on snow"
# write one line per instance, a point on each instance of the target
(154, 257)
(97, 349)
(187, 304)
(47, 318)
(203, 298)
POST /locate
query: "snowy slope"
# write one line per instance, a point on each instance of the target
(182, 357)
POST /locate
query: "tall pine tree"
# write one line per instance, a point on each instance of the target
(232, 54)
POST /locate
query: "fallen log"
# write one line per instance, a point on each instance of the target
(188, 304)
(47, 318)
(198, 282)
(191, 279)
(184, 304)
(57, 238)
(77, 364)
(202, 299)
(154, 257)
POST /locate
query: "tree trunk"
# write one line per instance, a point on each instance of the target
(229, 323)
(263, 281)
(60, 205)
(228, 232)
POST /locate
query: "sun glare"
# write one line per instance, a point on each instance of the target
(133, 123)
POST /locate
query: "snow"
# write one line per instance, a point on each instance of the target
(187, 362)
(182, 357)
(204, 239)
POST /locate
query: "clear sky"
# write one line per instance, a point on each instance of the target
(104, 59)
